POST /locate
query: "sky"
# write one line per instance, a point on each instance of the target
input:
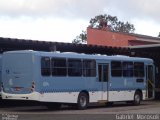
(63, 20)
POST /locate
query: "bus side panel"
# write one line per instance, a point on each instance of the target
(125, 89)
(121, 89)
(66, 89)
(36, 74)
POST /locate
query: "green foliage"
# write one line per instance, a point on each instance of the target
(82, 38)
(112, 23)
(105, 22)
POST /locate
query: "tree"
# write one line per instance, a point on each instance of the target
(112, 23)
(105, 22)
(82, 38)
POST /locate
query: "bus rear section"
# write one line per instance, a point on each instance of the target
(17, 76)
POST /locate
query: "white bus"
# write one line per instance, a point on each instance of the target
(75, 78)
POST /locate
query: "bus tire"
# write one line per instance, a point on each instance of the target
(83, 100)
(137, 98)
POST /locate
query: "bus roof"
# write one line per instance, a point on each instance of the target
(79, 55)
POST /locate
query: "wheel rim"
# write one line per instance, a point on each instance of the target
(83, 101)
(137, 98)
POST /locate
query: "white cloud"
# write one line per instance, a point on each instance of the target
(80, 9)
(63, 20)
(56, 8)
(146, 27)
(139, 9)
(48, 29)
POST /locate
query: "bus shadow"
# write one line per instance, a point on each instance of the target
(44, 109)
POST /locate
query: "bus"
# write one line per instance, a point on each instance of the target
(72, 78)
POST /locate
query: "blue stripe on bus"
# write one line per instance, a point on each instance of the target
(66, 90)
(125, 89)
(89, 90)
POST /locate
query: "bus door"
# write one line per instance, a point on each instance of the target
(103, 77)
(150, 81)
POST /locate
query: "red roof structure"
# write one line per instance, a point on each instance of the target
(107, 37)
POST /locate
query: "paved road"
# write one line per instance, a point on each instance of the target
(92, 113)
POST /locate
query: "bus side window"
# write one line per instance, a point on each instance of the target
(89, 68)
(59, 67)
(45, 66)
(139, 69)
(116, 69)
(74, 67)
(100, 73)
(128, 69)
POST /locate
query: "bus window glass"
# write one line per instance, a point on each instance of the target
(105, 73)
(100, 73)
(45, 66)
(89, 68)
(116, 69)
(74, 67)
(128, 69)
(59, 67)
(139, 69)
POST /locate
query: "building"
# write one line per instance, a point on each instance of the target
(106, 37)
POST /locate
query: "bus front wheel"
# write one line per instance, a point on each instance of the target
(83, 101)
(137, 98)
